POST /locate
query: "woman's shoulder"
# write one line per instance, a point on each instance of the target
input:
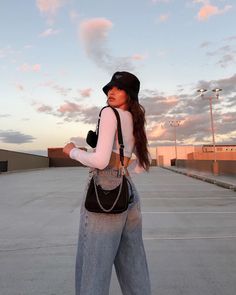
(107, 113)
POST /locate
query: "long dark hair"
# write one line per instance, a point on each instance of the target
(141, 143)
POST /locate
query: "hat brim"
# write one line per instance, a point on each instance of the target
(111, 84)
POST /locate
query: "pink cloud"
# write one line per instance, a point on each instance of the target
(93, 35)
(36, 67)
(209, 10)
(69, 107)
(29, 68)
(49, 6)
(164, 17)
(85, 92)
(228, 117)
(44, 108)
(139, 57)
(94, 31)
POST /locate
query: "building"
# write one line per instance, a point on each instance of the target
(11, 161)
(201, 158)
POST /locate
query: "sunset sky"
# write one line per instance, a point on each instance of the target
(56, 55)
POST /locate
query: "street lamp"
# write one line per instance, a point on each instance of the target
(175, 123)
(217, 93)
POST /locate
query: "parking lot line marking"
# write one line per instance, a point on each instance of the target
(188, 212)
(189, 238)
(188, 198)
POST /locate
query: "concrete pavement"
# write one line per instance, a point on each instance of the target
(226, 181)
(189, 230)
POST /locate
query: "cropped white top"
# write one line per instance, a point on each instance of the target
(108, 142)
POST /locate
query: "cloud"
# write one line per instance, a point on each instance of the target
(205, 44)
(44, 108)
(5, 115)
(10, 136)
(209, 10)
(156, 132)
(227, 84)
(138, 57)
(163, 17)
(70, 112)
(160, 1)
(69, 107)
(157, 106)
(7, 51)
(49, 32)
(226, 60)
(85, 92)
(50, 7)
(63, 91)
(226, 55)
(19, 87)
(231, 38)
(193, 111)
(93, 35)
(75, 112)
(94, 32)
(29, 68)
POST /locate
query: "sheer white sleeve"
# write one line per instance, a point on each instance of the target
(101, 156)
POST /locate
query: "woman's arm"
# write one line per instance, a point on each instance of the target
(101, 157)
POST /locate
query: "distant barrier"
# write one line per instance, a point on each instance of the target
(12, 161)
(225, 167)
(64, 162)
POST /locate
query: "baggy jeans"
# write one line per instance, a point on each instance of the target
(107, 239)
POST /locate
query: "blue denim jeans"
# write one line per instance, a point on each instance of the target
(107, 239)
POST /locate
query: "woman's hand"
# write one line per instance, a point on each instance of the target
(68, 147)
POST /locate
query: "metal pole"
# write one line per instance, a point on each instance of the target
(217, 91)
(212, 129)
(175, 124)
(175, 143)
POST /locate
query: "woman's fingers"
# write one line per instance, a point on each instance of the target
(68, 147)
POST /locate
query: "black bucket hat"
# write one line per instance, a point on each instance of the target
(126, 81)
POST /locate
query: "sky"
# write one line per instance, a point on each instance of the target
(56, 55)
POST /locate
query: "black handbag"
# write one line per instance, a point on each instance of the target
(92, 136)
(112, 201)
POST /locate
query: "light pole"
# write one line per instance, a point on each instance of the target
(217, 93)
(175, 123)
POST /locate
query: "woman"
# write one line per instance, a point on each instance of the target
(107, 239)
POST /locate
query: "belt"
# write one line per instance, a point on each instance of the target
(115, 161)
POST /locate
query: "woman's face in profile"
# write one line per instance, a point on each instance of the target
(117, 98)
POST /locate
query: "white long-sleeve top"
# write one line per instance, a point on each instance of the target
(108, 141)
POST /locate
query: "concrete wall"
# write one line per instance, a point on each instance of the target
(225, 167)
(22, 161)
(228, 156)
(164, 154)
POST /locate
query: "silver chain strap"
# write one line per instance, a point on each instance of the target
(118, 195)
